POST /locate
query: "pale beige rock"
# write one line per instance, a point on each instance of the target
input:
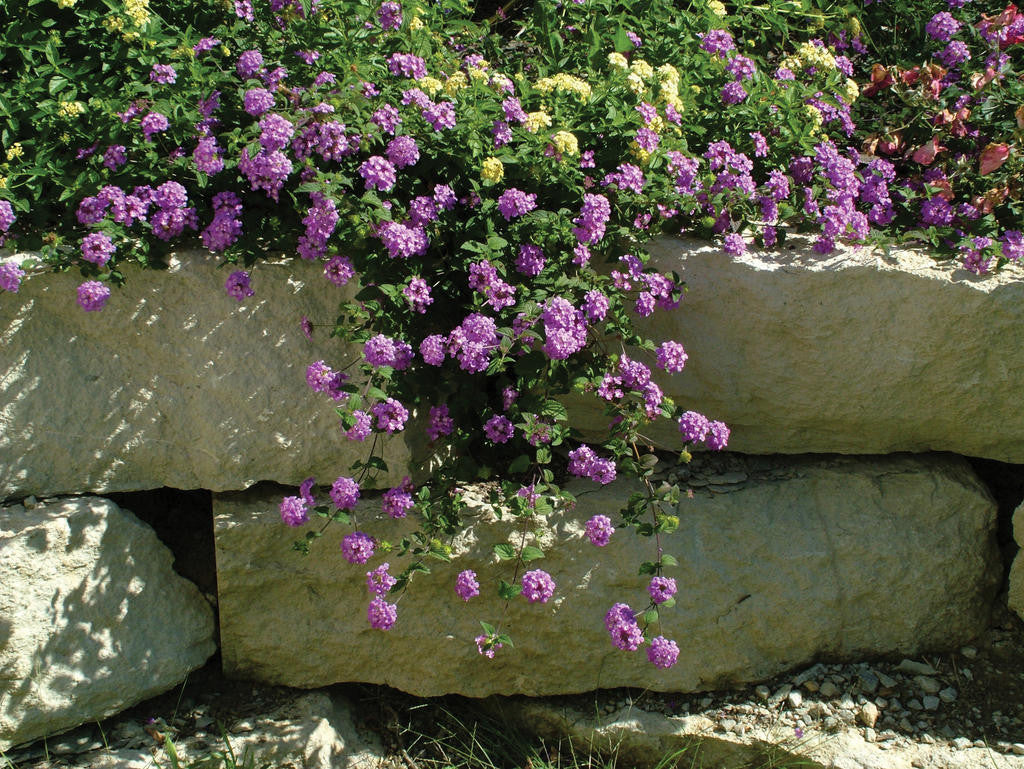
(639, 738)
(854, 352)
(809, 558)
(93, 619)
(173, 383)
(1015, 599)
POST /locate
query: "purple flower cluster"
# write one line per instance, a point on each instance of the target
(390, 16)
(718, 42)
(530, 260)
(339, 270)
(466, 586)
(696, 427)
(584, 463)
(538, 586)
(623, 628)
(294, 511)
(391, 415)
(163, 74)
(266, 171)
(357, 547)
(275, 132)
(599, 530)
(593, 216)
(320, 221)
(472, 342)
(397, 501)
(483, 278)
(663, 653)
(440, 115)
(381, 614)
(595, 306)
(379, 581)
(345, 493)
(942, 26)
(565, 329)
(378, 173)
(207, 156)
(10, 276)
(661, 589)
(359, 431)
(153, 123)
(403, 151)
(403, 240)
(671, 357)
(441, 422)
(408, 65)
(499, 429)
(249, 64)
(97, 248)
(514, 202)
(418, 294)
(626, 177)
(238, 285)
(115, 156)
(93, 295)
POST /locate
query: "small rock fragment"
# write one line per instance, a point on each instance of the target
(969, 652)
(961, 743)
(948, 694)
(763, 692)
(915, 704)
(916, 668)
(795, 699)
(931, 702)
(868, 682)
(887, 681)
(828, 689)
(927, 685)
(1018, 748)
(869, 735)
(868, 714)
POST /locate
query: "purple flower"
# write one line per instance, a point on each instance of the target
(266, 171)
(626, 177)
(432, 350)
(390, 16)
(693, 426)
(97, 248)
(502, 133)
(379, 351)
(760, 144)
(391, 415)
(418, 294)
(514, 202)
(590, 224)
(115, 157)
(153, 123)
(942, 26)
(163, 74)
(408, 65)
(249, 63)
(538, 586)
(599, 530)
(718, 436)
(403, 240)
(275, 132)
(237, 285)
(717, 41)
(1013, 245)
(595, 305)
(381, 614)
(734, 244)
(387, 118)
(345, 493)
(402, 151)
(258, 101)
(207, 156)
(662, 652)
(623, 628)
(530, 260)
(339, 270)
(441, 422)
(357, 547)
(741, 68)
(466, 586)
(206, 44)
(294, 511)
(440, 115)
(671, 357)
(733, 93)
(397, 502)
(661, 589)
(93, 295)
(499, 429)
(379, 582)
(10, 275)
(362, 427)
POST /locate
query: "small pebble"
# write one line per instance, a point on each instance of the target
(931, 702)
(915, 704)
(868, 682)
(969, 652)
(30, 503)
(795, 699)
(961, 743)
(727, 724)
(781, 693)
(916, 668)
(927, 685)
(1018, 748)
(828, 689)
(868, 714)
(948, 694)
(811, 686)
(887, 681)
(927, 739)
(979, 744)
(869, 734)
(763, 692)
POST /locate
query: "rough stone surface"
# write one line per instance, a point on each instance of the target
(853, 352)
(92, 617)
(806, 558)
(173, 383)
(1015, 599)
(639, 738)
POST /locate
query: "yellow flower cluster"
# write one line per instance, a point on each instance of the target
(15, 151)
(564, 83)
(808, 55)
(479, 71)
(456, 83)
(717, 8)
(851, 90)
(417, 22)
(430, 85)
(138, 11)
(635, 83)
(3, 182)
(642, 68)
(616, 59)
(566, 143)
(815, 116)
(668, 91)
(70, 109)
(113, 23)
(537, 120)
(493, 170)
(65, 3)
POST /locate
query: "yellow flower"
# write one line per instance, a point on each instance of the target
(3, 182)
(493, 170)
(566, 143)
(635, 82)
(853, 24)
(130, 37)
(416, 23)
(717, 8)
(564, 83)
(668, 74)
(537, 120)
(15, 151)
(456, 83)
(65, 138)
(225, 50)
(477, 74)
(430, 84)
(70, 109)
(616, 59)
(640, 154)
(65, 3)
(642, 68)
(815, 115)
(138, 11)
(113, 23)
(852, 90)
(657, 124)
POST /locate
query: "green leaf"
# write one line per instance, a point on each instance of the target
(520, 464)
(668, 560)
(531, 553)
(509, 591)
(651, 616)
(505, 551)
(553, 408)
(543, 455)
(648, 567)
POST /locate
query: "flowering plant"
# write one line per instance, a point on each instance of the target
(489, 199)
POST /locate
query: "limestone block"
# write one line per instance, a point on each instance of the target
(92, 617)
(173, 383)
(782, 562)
(853, 352)
(1015, 599)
